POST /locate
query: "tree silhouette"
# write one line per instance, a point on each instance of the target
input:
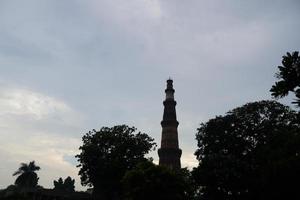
(148, 181)
(107, 154)
(250, 153)
(27, 175)
(67, 185)
(289, 75)
(59, 184)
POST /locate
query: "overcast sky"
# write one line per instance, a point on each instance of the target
(69, 66)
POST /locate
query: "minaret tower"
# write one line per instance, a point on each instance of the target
(169, 152)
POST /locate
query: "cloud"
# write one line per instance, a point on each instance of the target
(35, 107)
(26, 102)
(132, 12)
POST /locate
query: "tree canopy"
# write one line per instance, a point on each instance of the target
(250, 153)
(107, 154)
(27, 175)
(289, 77)
(67, 185)
(148, 181)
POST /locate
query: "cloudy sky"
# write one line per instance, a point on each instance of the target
(69, 66)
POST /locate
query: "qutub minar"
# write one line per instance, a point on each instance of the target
(169, 152)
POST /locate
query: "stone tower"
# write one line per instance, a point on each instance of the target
(169, 152)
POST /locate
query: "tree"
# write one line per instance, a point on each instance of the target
(107, 154)
(148, 181)
(59, 184)
(27, 175)
(67, 185)
(289, 75)
(253, 152)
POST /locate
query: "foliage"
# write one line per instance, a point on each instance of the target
(27, 175)
(289, 75)
(148, 181)
(107, 154)
(12, 192)
(250, 153)
(67, 185)
(191, 190)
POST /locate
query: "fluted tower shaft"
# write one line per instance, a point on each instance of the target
(169, 153)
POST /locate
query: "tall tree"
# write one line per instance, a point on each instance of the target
(27, 175)
(289, 77)
(107, 154)
(253, 152)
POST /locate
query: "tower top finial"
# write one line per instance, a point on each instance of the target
(170, 85)
(169, 90)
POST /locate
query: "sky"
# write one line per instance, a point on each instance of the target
(70, 66)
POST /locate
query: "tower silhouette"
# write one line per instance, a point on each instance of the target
(169, 152)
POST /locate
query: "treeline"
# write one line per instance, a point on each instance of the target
(251, 152)
(26, 185)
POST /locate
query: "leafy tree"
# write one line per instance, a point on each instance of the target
(253, 152)
(191, 190)
(27, 175)
(148, 181)
(67, 185)
(59, 184)
(107, 154)
(289, 75)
